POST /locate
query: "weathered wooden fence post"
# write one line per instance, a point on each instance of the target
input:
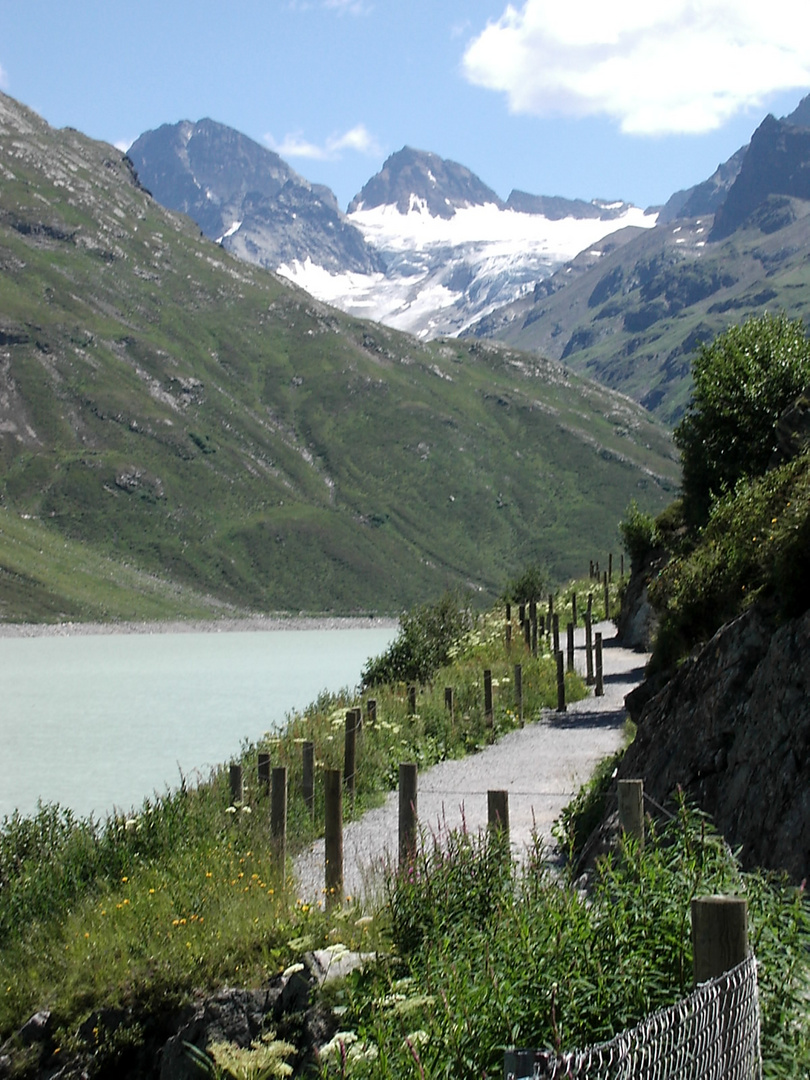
(588, 650)
(599, 690)
(411, 700)
(561, 707)
(570, 646)
(631, 809)
(371, 711)
(607, 597)
(450, 702)
(407, 811)
(498, 812)
(278, 815)
(610, 567)
(719, 935)
(235, 775)
(308, 776)
(519, 692)
(350, 752)
(574, 608)
(488, 710)
(333, 836)
(264, 770)
(555, 633)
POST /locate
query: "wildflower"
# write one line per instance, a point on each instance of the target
(231, 810)
(246, 810)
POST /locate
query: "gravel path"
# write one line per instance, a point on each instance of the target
(541, 766)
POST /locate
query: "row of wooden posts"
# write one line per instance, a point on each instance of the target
(719, 924)
(274, 779)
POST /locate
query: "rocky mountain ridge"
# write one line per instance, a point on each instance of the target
(175, 416)
(425, 247)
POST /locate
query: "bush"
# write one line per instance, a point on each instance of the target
(427, 634)
(639, 535)
(743, 381)
(531, 584)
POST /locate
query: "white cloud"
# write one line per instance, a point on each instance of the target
(123, 144)
(656, 68)
(357, 138)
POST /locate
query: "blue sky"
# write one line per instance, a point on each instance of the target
(579, 98)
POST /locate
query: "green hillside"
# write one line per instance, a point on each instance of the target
(633, 316)
(196, 435)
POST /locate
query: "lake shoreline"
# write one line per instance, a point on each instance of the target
(249, 624)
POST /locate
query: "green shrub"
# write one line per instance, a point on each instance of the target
(531, 584)
(427, 635)
(639, 535)
(743, 381)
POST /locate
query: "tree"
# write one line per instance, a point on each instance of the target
(743, 381)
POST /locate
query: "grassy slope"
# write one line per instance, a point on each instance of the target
(631, 319)
(166, 407)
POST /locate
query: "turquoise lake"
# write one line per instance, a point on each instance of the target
(100, 722)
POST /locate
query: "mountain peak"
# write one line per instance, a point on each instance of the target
(420, 180)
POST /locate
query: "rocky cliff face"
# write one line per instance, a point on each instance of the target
(776, 166)
(732, 728)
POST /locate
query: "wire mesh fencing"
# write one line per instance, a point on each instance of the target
(714, 1034)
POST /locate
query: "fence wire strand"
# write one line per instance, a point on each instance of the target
(714, 1034)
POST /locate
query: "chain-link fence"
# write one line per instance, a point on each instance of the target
(711, 1035)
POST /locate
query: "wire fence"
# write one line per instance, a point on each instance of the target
(714, 1034)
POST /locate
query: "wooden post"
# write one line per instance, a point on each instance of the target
(522, 614)
(533, 611)
(350, 752)
(237, 792)
(555, 633)
(590, 606)
(264, 770)
(278, 815)
(308, 768)
(509, 635)
(407, 811)
(610, 567)
(631, 809)
(599, 691)
(527, 633)
(508, 612)
(498, 812)
(358, 720)
(590, 572)
(719, 935)
(371, 711)
(519, 692)
(488, 711)
(607, 597)
(411, 700)
(574, 608)
(560, 683)
(588, 650)
(333, 836)
(450, 703)
(570, 645)
(534, 637)
(550, 610)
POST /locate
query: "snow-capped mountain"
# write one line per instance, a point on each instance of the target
(425, 247)
(247, 198)
(452, 250)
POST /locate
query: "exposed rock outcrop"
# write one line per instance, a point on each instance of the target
(732, 728)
